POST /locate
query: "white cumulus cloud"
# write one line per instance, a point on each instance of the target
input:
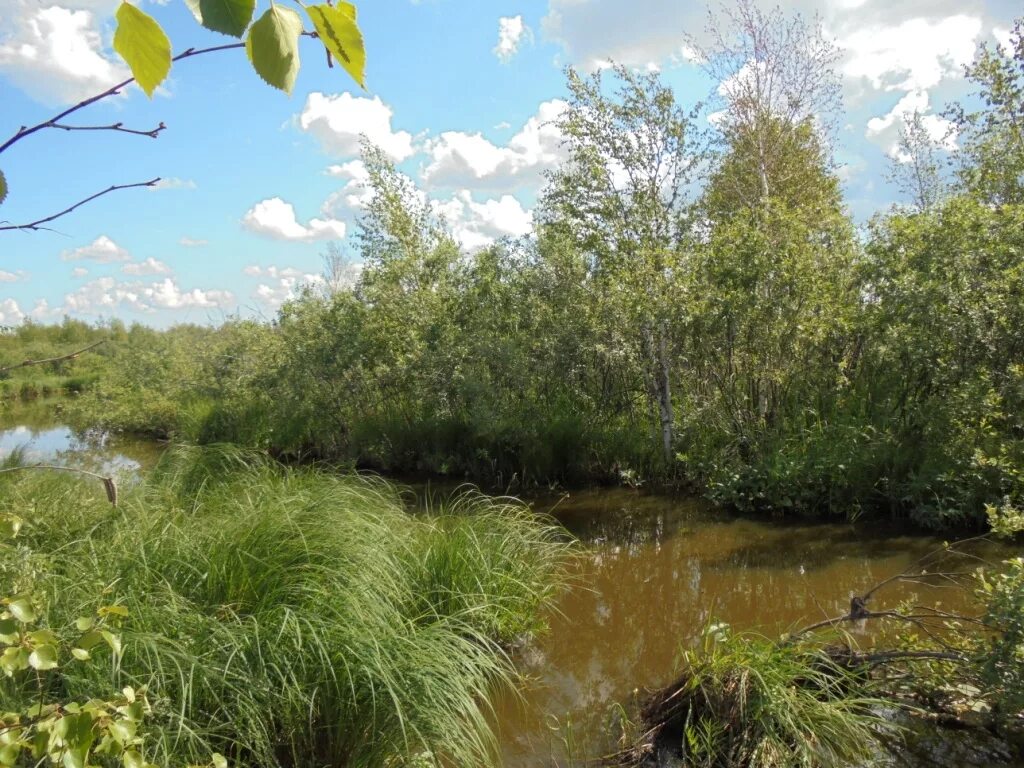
(477, 225)
(468, 160)
(276, 219)
(914, 54)
(56, 54)
(106, 295)
(150, 266)
(10, 312)
(102, 250)
(512, 32)
(12, 277)
(885, 129)
(338, 121)
(174, 183)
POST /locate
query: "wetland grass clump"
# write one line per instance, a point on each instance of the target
(743, 700)
(289, 617)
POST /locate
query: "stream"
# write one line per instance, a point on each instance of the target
(655, 571)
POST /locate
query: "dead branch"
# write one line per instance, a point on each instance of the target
(69, 356)
(108, 482)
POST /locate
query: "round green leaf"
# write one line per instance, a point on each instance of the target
(144, 46)
(3, 187)
(22, 610)
(90, 640)
(123, 731)
(81, 654)
(113, 641)
(229, 17)
(43, 637)
(132, 759)
(273, 47)
(43, 657)
(337, 28)
(9, 754)
(9, 525)
(9, 631)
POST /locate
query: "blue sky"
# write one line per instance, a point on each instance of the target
(461, 94)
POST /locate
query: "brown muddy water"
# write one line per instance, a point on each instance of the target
(654, 572)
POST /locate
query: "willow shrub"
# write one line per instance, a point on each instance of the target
(289, 616)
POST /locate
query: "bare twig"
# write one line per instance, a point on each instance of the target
(152, 133)
(108, 482)
(883, 657)
(69, 356)
(36, 225)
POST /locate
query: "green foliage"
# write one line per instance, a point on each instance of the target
(272, 42)
(744, 341)
(1003, 663)
(745, 700)
(992, 159)
(285, 617)
(31, 341)
(3, 187)
(273, 47)
(336, 26)
(141, 42)
(229, 17)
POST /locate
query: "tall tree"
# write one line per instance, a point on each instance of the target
(774, 74)
(992, 137)
(916, 165)
(622, 199)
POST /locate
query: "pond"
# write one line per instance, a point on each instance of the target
(655, 571)
(34, 429)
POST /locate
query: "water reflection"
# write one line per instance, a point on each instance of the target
(656, 571)
(33, 430)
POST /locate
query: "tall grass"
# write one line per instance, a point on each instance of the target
(292, 617)
(743, 700)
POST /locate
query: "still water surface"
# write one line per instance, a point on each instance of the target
(655, 571)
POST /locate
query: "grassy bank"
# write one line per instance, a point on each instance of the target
(287, 617)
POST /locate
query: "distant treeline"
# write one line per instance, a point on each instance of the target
(691, 311)
(34, 342)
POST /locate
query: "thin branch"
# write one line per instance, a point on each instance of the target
(108, 482)
(36, 225)
(883, 657)
(25, 131)
(69, 356)
(152, 133)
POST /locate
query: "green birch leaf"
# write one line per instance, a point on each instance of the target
(230, 17)
(273, 47)
(144, 46)
(43, 657)
(3, 187)
(337, 28)
(22, 610)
